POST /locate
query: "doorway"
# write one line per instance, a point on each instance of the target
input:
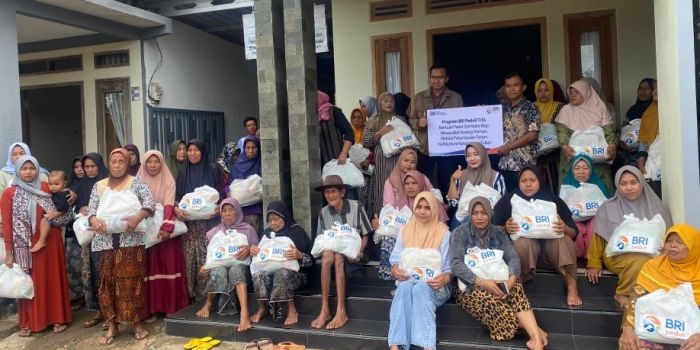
(52, 124)
(113, 114)
(478, 57)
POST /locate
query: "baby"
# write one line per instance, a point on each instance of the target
(59, 193)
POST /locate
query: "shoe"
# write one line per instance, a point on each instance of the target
(288, 345)
(194, 342)
(265, 344)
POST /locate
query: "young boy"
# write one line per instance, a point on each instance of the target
(59, 193)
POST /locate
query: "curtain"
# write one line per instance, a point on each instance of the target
(590, 55)
(393, 71)
(114, 102)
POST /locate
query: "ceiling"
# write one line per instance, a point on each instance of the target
(30, 29)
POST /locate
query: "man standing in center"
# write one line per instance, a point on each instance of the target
(521, 125)
(438, 96)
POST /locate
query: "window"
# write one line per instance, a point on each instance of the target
(51, 65)
(112, 59)
(383, 10)
(392, 64)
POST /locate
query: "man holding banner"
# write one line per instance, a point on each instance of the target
(438, 96)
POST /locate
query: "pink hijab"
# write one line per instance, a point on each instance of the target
(162, 185)
(324, 105)
(592, 111)
(239, 225)
(397, 174)
(403, 199)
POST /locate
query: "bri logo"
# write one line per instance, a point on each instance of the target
(598, 151)
(549, 138)
(472, 260)
(651, 324)
(277, 251)
(400, 220)
(234, 249)
(622, 242)
(577, 209)
(488, 254)
(526, 223)
(263, 254)
(541, 219)
(397, 143)
(220, 252)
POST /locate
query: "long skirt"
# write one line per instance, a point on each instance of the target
(223, 281)
(91, 277)
(412, 314)
(74, 266)
(500, 316)
(382, 168)
(277, 286)
(626, 267)
(386, 246)
(194, 244)
(51, 304)
(166, 283)
(559, 254)
(122, 286)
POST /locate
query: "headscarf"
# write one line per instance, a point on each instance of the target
(548, 109)
(378, 121)
(324, 105)
(357, 132)
(429, 235)
(196, 175)
(594, 179)
(649, 127)
(238, 225)
(637, 109)
(173, 164)
(22, 234)
(593, 110)
(133, 169)
(86, 184)
(244, 166)
(401, 103)
(402, 198)
(612, 212)
(116, 180)
(396, 176)
(503, 209)
(162, 185)
(371, 105)
(9, 166)
(558, 93)
(484, 173)
(227, 152)
(481, 234)
(661, 272)
(74, 179)
(295, 232)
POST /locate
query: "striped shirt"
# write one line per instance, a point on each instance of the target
(352, 214)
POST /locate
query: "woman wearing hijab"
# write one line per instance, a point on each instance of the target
(95, 170)
(680, 263)
(585, 110)
(558, 253)
(413, 183)
(549, 107)
(196, 172)
(74, 262)
(225, 161)
(580, 170)
(177, 156)
(648, 132)
(222, 281)
(633, 196)
(134, 158)
(166, 284)
(278, 287)
(478, 172)
(412, 313)
(504, 313)
(22, 206)
(402, 104)
(636, 111)
(394, 185)
(123, 258)
(7, 173)
(246, 165)
(376, 128)
(369, 105)
(336, 135)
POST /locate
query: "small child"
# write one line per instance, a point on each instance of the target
(59, 193)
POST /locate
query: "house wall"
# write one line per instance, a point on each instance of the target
(202, 72)
(87, 77)
(352, 32)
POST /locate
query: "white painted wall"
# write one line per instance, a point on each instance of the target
(203, 72)
(352, 34)
(11, 118)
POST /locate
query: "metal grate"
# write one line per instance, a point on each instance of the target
(51, 65)
(112, 59)
(166, 125)
(390, 9)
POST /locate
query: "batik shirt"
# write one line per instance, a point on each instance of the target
(517, 121)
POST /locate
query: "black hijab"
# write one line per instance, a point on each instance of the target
(75, 180)
(291, 229)
(637, 109)
(85, 185)
(401, 103)
(192, 176)
(503, 210)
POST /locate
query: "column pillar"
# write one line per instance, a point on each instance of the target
(678, 123)
(272, 97)
(10, 111)
(300, 56)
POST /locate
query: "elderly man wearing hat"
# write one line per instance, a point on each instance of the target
(345, 211)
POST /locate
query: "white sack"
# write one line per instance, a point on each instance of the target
(667, 317)
(15, 283)
(247, 191)
(420, 264)
(200, 204)
(535, 218)
(223, 248)
(636, 235)
(583, 201)
(271, 256)
(470, 192)
(351, 175)
(341, 238)
(590, 142)
(397, 139)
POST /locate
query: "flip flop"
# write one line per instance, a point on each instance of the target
(252, 345)
(288, 345)
(265, 344)
(194, 342)
(59, 328)
(92, 322)
(107, 339)
(208, 345)
(25, 332)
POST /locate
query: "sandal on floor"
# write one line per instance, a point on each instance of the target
(107, 339)
(25, 332)
(92, 322)
(59, 328)
(288, 345)
(265, 344)
(141, 335)
(208, 345)
(194, 342)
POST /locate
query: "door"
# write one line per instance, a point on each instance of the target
(393, 65)
(113, 114)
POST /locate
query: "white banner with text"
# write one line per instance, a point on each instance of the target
(451, 129)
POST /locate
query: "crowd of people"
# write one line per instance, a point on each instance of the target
(123, 282)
